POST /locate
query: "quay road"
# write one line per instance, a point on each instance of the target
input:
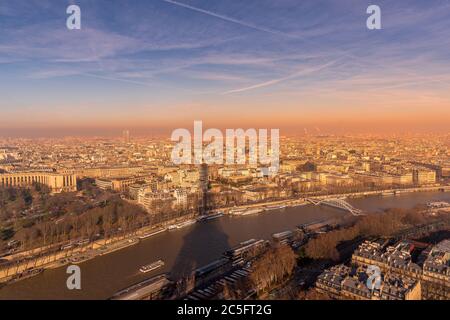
(194, 246)
(303, 200)
(47, 257)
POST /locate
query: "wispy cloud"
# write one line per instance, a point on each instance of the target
(297, 74)
(229, 19)
(141, 83)
(208, 52)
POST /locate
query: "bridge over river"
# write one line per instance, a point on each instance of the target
(338, 203)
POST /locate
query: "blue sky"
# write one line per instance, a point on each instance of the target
(147, 63)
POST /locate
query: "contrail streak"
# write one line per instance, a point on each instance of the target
(229, 19)
(115, 79)
(274, 32)
(275, 81)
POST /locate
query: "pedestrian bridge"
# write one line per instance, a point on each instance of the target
(338, 203)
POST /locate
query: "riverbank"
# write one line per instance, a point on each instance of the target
(191, 247)
(355, 195)
(103, 247)
(26, 267)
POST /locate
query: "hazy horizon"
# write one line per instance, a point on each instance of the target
(152, 67)
(308, 130)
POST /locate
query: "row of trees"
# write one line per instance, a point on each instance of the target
(114, 217)
(270, 269)
(384, 224)
(273, 267)
(34, 217)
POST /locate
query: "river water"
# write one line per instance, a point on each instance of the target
(190, 247)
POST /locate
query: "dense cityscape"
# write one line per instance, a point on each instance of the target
(218, 159)
(67, 201)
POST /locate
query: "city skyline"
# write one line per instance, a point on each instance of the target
(248, 152)
(156, 66)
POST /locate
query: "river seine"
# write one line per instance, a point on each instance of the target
(190, 247)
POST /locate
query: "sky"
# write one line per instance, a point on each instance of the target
(161, 64)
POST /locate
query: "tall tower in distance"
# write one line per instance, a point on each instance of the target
(126, 136)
